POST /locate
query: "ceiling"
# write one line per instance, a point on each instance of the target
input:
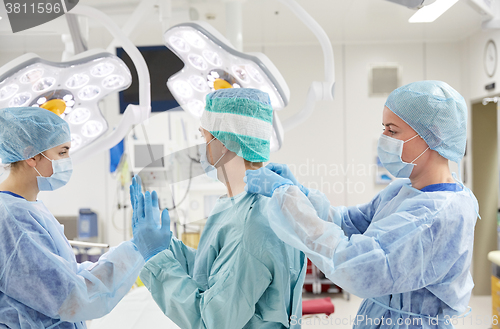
(267, 22)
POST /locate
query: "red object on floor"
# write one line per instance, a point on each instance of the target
(309, 287)
(318, 306)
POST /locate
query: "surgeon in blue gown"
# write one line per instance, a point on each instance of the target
(408, 251)
(241, 275)
(41, 284)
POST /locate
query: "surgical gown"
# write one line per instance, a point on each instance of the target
(407, 252)
(41, 284)
(241, 275)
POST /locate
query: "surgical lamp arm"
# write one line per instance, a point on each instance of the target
(144, 7)
(318, 90)
(133, 114)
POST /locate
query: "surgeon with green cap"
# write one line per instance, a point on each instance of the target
(408, 251)
(241, 275)
(41, 284)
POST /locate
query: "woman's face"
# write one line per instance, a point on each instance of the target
(396, 128)
(44, 166)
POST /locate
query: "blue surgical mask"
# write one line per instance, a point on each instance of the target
(390, 151)
(61, 173)
(209, 169)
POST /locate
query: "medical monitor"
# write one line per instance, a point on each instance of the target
(162, 63)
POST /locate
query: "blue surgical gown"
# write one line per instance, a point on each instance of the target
(41, 284)
(241, 275)
(407, 252)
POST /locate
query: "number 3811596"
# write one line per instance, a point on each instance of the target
(39, 8)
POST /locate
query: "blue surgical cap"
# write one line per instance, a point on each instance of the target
(242, 119)
(28, 131)
(437, 112)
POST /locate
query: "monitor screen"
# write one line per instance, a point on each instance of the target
(162, 64)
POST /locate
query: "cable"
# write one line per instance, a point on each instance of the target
(188, 188)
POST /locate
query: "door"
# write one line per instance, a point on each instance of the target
(485, 185)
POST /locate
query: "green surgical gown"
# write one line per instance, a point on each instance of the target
(241, 275)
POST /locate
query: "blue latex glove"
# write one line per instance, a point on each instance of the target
(264, 181)
(149, 237)
(284, 171)
(137, 193)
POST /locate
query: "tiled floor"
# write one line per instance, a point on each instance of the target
(479, 318)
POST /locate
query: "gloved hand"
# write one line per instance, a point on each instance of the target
(149, 237)
(284, 171)
(137, 193)
(264, 181)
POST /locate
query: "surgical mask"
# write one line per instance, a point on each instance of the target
(61, 173)
(209, 169)
(390, 151)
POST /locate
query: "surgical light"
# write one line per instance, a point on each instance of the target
(194, 39)
(212, 63)
(113, 82)
(182, 89)
(79, 116)
(179, 44)
(196, 107)
(198, 62)
(240, 73)
(77, 81)
(80, 83)
(212, 57)
(102, 69)
(76, 141)
(198, 83)
(44, 84)
(431, 12)
(89, 92)
(254, 73)
(71, 89)
(8, 91)
(31, 76)
(215, 62)
(20, 99)
(92, 129)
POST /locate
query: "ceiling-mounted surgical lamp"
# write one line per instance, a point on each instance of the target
(212, 63)
(74, 88)
(71, 89)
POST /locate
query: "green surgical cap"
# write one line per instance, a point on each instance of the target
(437, 112)
(28, 131)
(242, 119)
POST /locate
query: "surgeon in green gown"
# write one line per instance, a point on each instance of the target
(241, 275)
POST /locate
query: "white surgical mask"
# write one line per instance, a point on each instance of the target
(209, 169)
(390, 151)
(61, 173)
